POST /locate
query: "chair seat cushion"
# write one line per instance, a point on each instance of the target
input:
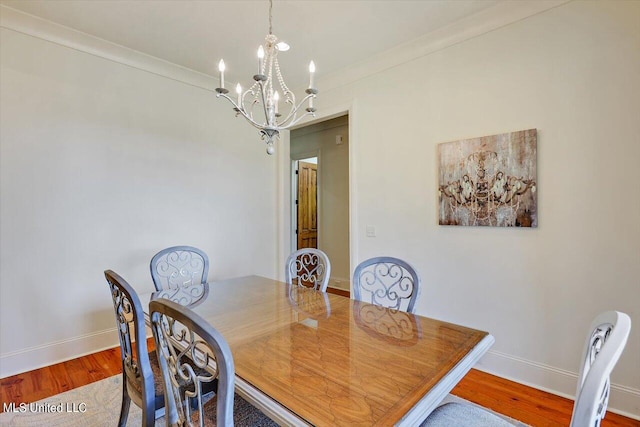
(244, 414)
(463, 415)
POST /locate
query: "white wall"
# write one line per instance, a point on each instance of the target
(100, 162)
(333, 194)
(572, 72)
(101, 166)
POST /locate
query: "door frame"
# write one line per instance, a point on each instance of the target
(283, 179)
(293, 194)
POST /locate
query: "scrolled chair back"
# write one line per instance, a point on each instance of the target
(387, 281)
(607, 338)
(184, 340)
(137, 371)
(308, 267)
(179, 266)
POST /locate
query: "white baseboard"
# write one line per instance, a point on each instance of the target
(623, 400)
(51, 353)
(339, 283)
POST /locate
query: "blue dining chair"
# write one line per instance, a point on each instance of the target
(140, 368)
(605, 342)
(179, 266)
(184, 338)
(387, 281)
(308, 267)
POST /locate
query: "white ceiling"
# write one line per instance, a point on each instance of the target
(196, 34)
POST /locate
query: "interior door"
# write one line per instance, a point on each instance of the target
(307, 205)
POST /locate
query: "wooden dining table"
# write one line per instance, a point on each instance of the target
(306, 357)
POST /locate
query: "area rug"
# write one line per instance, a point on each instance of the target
(98, 404)
(95, 404)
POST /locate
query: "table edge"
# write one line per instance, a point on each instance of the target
(271, 408)
(436, 395)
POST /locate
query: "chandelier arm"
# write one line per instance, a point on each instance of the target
(294, 110)
(290, 98)
(291, 116)
(282, 126)
(254, 94)
(253, 104)
(241, 111)
(308, 113)
(291, 101)
(248, 111)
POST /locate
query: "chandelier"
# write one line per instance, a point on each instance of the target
(267, 91)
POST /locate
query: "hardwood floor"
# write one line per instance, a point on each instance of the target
(526, 404)
(337, 291)
(41, 383)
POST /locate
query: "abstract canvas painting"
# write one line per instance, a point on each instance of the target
(489, 181)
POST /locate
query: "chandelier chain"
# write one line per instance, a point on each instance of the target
(270, 17)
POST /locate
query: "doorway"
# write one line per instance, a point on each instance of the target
(320, 193)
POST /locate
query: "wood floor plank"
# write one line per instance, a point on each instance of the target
(530, 408)
(529, 405)
(109, 361)
(60, 377)
(340, 292)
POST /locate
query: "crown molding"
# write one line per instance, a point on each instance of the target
(488, 20)
(34, 26)
(498, 16)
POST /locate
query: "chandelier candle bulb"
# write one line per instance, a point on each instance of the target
(312, 71)
(260, 58)
(239, 92)
(221, 68)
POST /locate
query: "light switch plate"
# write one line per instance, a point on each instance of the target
(371, 231)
